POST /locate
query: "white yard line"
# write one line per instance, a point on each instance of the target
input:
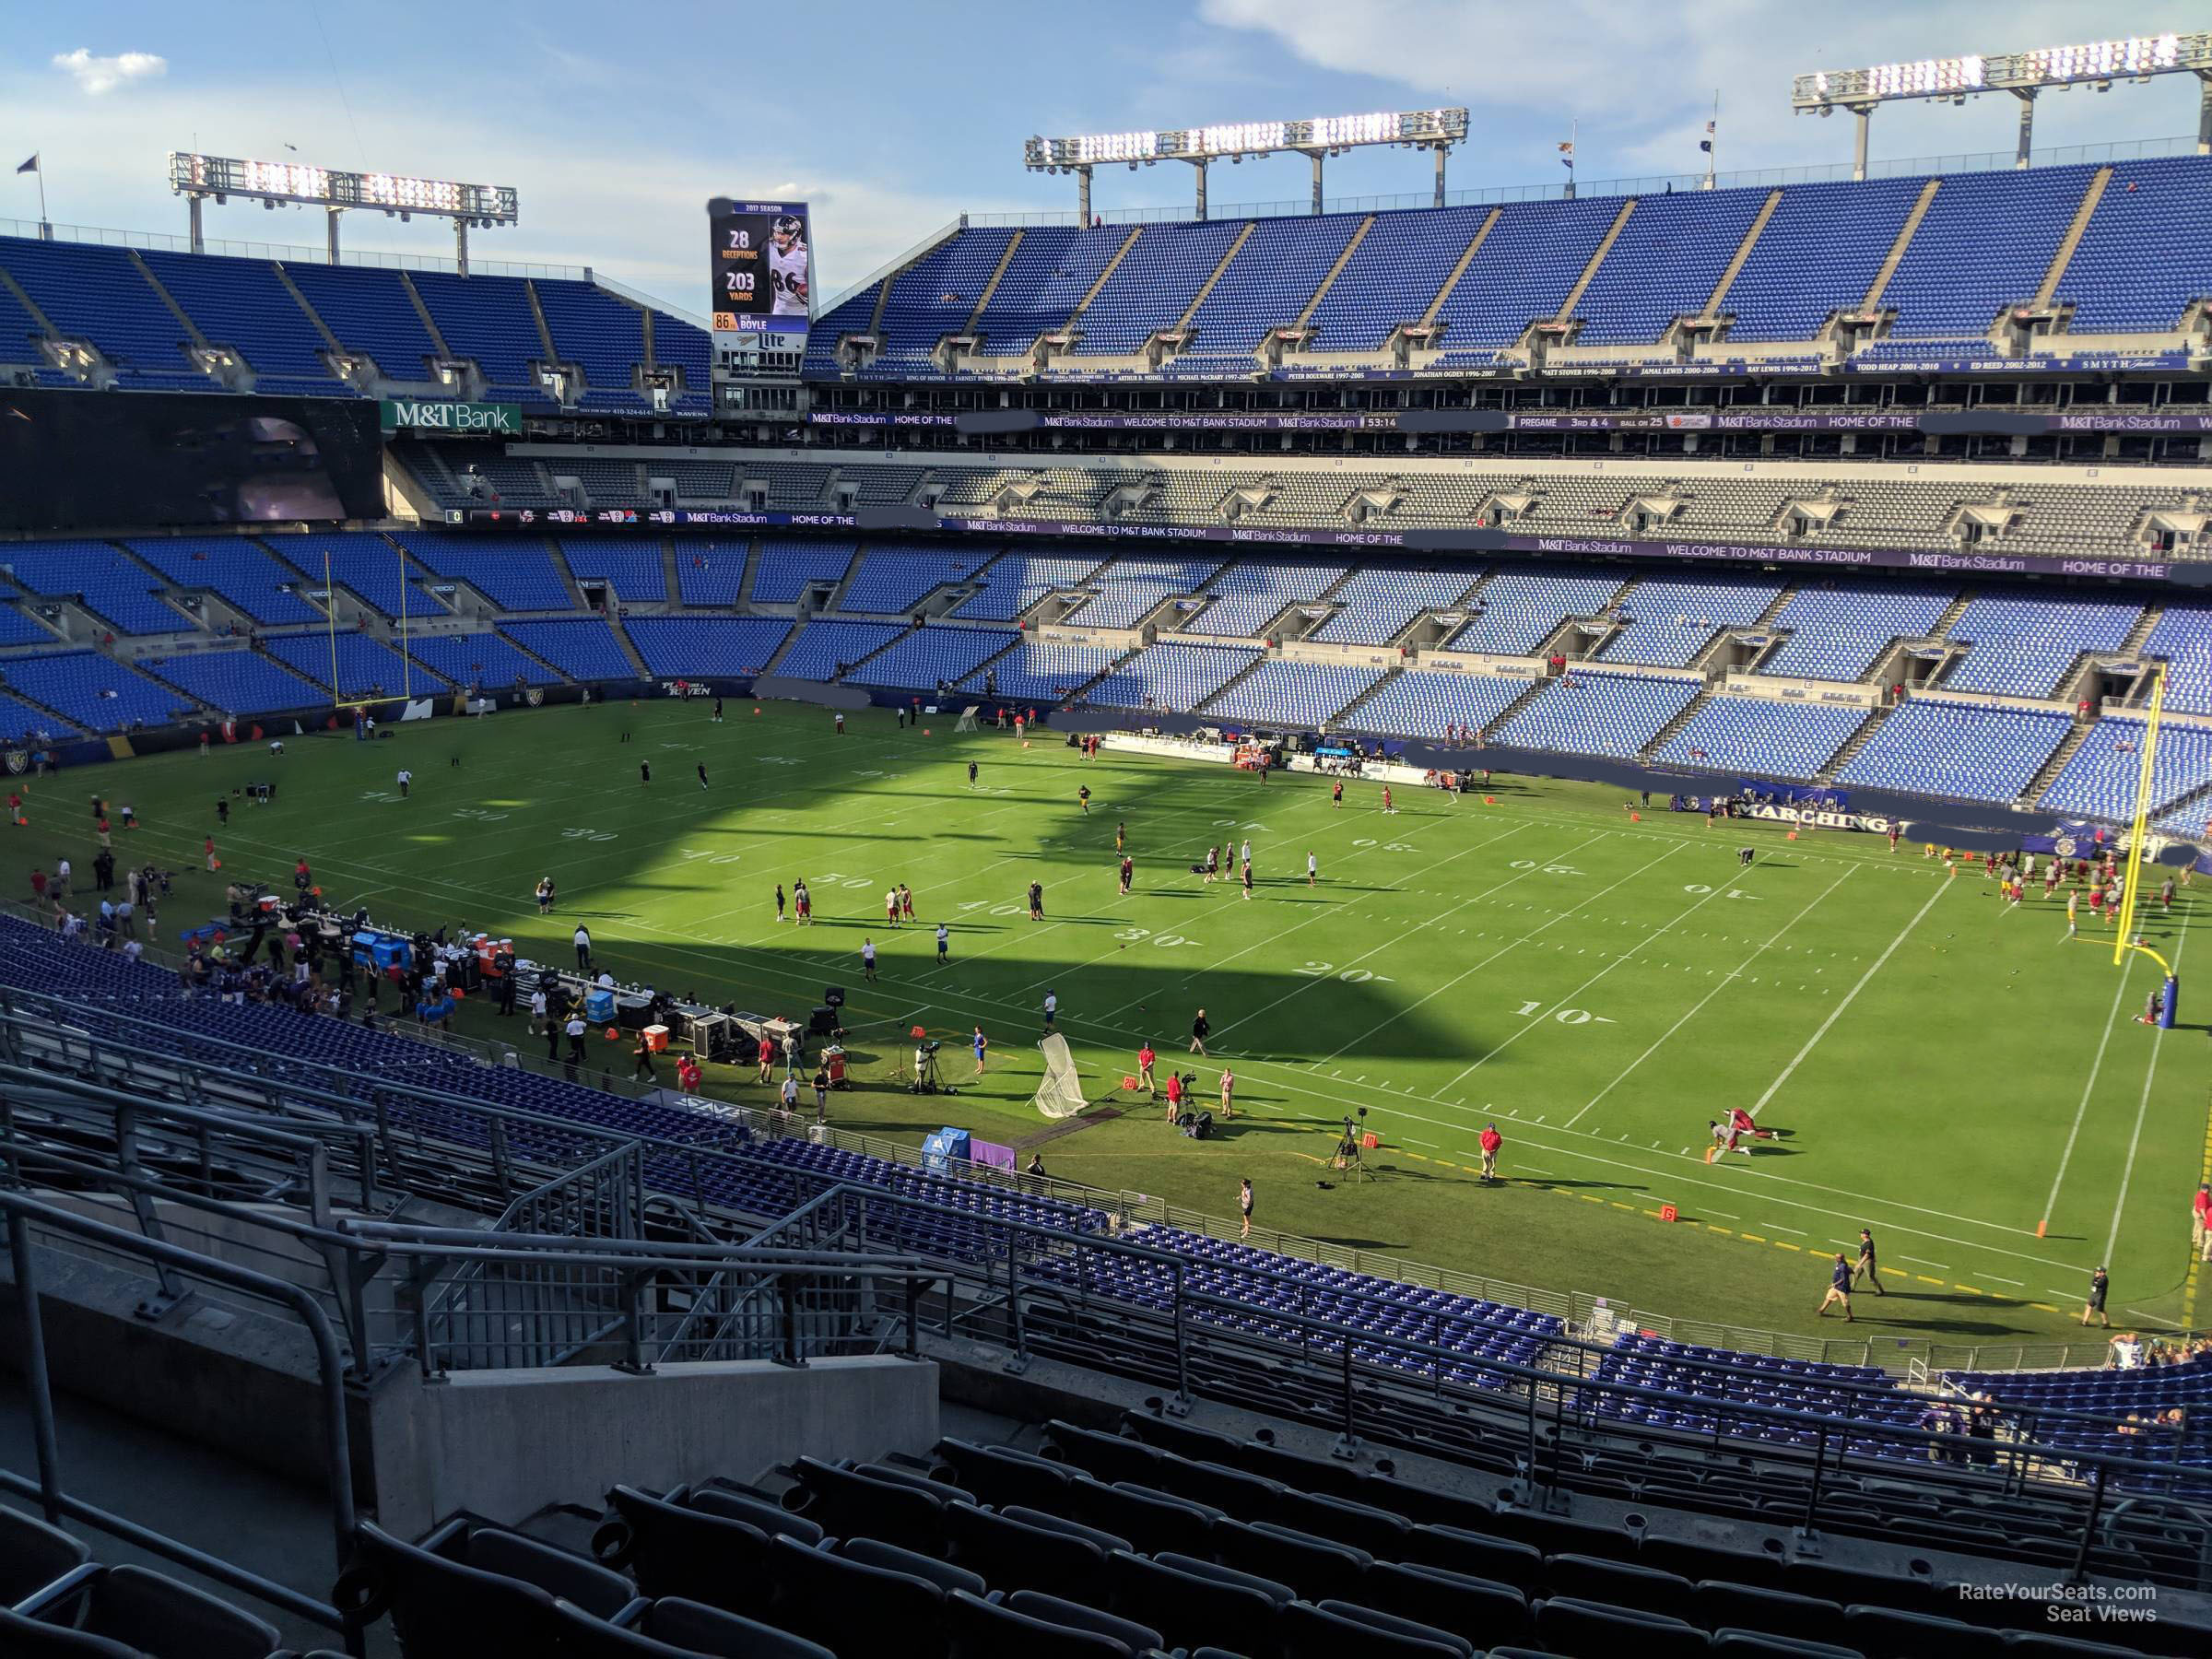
(2150, 1073)
(2067, 1156)
(1568, 1001)
(1733, 975)
(1354, 961)
(1325, 914)
(1850, 996)
(1509, 945)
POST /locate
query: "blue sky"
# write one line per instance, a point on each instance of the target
(617, 123)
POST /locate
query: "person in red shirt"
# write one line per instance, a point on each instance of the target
(1174, 1097)
(1386, 805)
(38, 886)
(1489, 1140)
(2201, 1209)
(1145, 1058)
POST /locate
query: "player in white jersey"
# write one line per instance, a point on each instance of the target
(787, 261)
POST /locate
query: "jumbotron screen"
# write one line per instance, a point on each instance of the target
(763, 266)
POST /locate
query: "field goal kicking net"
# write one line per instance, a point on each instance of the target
(1061, 1093)
(968, 722)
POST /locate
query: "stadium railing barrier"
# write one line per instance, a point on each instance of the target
(49, 1490)
(1303, 1361)
(40, 1021)
(293, 252)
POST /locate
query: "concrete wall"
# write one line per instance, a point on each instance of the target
(506, 1443)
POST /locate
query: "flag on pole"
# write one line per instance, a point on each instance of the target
(29, 166)
(1705, 143)
(1567, 153)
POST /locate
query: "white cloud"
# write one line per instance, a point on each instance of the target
(1641, 78)
(633, 207)
(96, 75)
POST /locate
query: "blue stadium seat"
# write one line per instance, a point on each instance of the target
(368, 567)
(1127, 589)
(600, 333)
(1984, 243)
(1524, 268)
(1044, 282)
(94, 691)
(515, 576)
(630, 565)
(1014, 581)
(789, 566)
(1303, 696)
(1818, 255)
(2020, 647)
(1425, 702)
(366, 667)
(1379, 601)
(1250, 594)
(1154, 285)
(1269, 281)
(1172, 675)
(237, 569)
(243, 304)
(1970, 751)
(1671, 619)
(485, 661)
(823, 645)
(1758, 737)
(112, 584)
(1836, 633)
(1590, 714)
(1035, 673)
(1392, 277)
(488, 319)
(1664, 264)
(925, 655)
(237, 682)
(2115, 280)
(2101, 778)
(99, 294)
(710, 571)
(368, 310)
(893, 578)
(707, 647)
(583, 648)
(1520, 608)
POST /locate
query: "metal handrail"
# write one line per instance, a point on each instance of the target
(1576, 1308)
(995, 1284)
(20, 1211)
(1482, 195)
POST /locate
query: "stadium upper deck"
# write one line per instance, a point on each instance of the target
(2094, 267)
(76, 315)
(1885, 273)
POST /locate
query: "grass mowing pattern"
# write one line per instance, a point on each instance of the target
(1943, 1068)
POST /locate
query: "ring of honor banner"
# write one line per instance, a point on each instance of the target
(762, 257)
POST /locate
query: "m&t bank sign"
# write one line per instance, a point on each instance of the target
(490, 420)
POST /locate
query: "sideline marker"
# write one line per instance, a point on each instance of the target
(2040, 1225)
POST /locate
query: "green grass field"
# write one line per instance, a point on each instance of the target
(1941, 1067)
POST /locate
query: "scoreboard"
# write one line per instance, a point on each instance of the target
(762, 260)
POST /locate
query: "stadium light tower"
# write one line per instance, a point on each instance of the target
(2098, 63)
(199, 177)
(1316, 140)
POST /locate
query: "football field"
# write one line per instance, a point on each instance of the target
(1936, 1064)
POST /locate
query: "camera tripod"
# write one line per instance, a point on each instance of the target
(928, 1080)
(1351, 1158)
